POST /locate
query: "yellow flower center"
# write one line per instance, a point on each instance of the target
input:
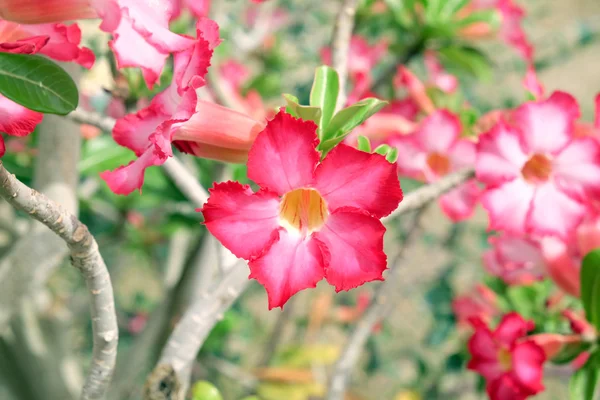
(438, 163)
(303, 210)
(505, 359)
(537, 169)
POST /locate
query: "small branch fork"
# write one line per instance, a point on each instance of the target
(87, 259)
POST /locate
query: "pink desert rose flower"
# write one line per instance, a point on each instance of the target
(512, 368)
(310, 220)
(198, 8)
(416, 89)
(479, 304)
(439, 77)
(553, 343)
(538, 175)
(234, 75)
(434, 150)
(16, 120)
(516, 260)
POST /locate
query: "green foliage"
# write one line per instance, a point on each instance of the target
(582, 385)
(466, 59)
(590, 287)
(307, 113)
(324, 93)
(364, 144)
(37, 83)
(203, 390)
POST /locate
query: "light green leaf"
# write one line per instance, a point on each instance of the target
(582, 385)
(466, 59)
(306, 113)
(324, 93)
(489, 17)
(347, 119)
(590, 287)
(37, 83)
(364, 144)
(382, 149)
(392, 155)
(203, 390)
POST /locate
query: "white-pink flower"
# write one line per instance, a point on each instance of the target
(539, 176)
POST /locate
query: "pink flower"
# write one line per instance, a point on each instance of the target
(16, 120)
(42, 11)
(395, 119)
(479, 304)
(434, 150)
(439, 77)
(553, 343)
(512, 368)
(517, 260)
(199, 8)
(539, 177)
(310, 220)
(57, 41)
(416, 89)
(233, 77)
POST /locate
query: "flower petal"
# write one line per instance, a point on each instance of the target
(245, 222)
(459, 203)
(126, 179)
(290, 265)
(29, 45)
(348, 177)
(548, 125)
(64, 42)
(354, 241)
(17, 120)
(512, 327)
(508, 205)
(553, 212)
(528, 360)
(283, 157)
(438, 132)
(412, 159)
(577, 168)
(500, 155)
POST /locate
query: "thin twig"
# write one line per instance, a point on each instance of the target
(92, 118)
(428, 193)
(277, 333)
(377, 310)
(87, 259)
(340, 46)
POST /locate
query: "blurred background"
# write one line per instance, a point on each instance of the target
(153, 243)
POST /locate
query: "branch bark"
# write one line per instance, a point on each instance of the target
(87, 259)
(340, 46)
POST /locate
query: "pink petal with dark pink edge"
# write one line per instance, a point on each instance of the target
(132, 50)
(508, 205)
(459, 203)
(64, 43)
(30, 45)
(553, 212)
(500, 155)
(348, 177)
(133, 130)
(484, 353)
(511, 327)
(283, 157)
(293, 263)
(245, 222)
(354, 241)
(577, 168)
(528, 362)
(2, 146)
(506, 387)
(547, 126)
(126, 179)
(17, 120)
(199, 8)
(109, 11)
(438, 132)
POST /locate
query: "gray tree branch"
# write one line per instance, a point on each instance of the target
(87, 259)
(340, 46)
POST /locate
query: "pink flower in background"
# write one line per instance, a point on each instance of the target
(539, 177)
(199, 8)
(16, 120)
(416, 89)
(233, 77)
(434, 150)
(517, 260)
(57, 41)
(310, 220)
(42, 11)
(512, 367)
(479, 304)
(553, 343)
(395, 119)
(439, 77)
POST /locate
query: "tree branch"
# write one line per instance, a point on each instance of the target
(340, 46)
(377, 310)
(87, 259)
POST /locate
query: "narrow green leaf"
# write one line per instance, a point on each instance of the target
(382, 149)
(590, 287)
(37, 83)
(466, 59)
(324, 93)
(364, 144)
(306, 113)
(489, 17)
(392, 155)
(347, 119)
(582, 385)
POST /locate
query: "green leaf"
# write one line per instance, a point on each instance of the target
(324, 93)
(569, 352)
(382, 149)
(364, 144)
(392, 155)
(582, 385)
(590, 287)
(347, 119)
(489, 17)
(203, 390)
(466, 59)
(37, 83)
(306, 113)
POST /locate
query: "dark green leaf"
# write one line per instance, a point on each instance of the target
(465, 59)
(347, 119)
(364, 144)
(570, 352)
(306, 113)
(324, 93)
(582, 385)
(590, 286)
(37, 83)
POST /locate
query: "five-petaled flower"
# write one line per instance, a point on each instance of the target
(540, 177)
(511, 366)
(310, 220)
